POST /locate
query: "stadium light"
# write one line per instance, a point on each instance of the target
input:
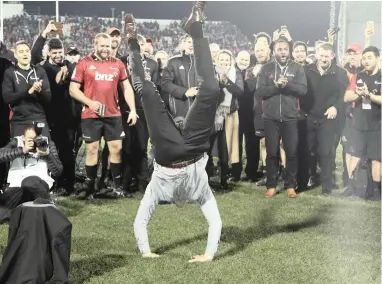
(1, 21)
(57, 15)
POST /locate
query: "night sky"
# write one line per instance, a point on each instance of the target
(307, 21)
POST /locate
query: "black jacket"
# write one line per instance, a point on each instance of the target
(179, 76)
(152, 65)
(25, 106)
(323, 91)
(63, 109)
(255, 106)
(39, 244)
(281, 104)
(11, 152)
(6, 60)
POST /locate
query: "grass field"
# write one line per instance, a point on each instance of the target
(310, 239)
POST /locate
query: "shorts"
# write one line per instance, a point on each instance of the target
(362, 143)
(111, 128)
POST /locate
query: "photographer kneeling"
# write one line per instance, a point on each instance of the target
(32, 159)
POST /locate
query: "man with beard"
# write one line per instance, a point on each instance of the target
(180, 153)
(246, 125)
(179, 80)
(280, 84)
(354, 56)
(62, 114)
(26, 89)
(99, 74)
(262, 56)
(321, 106)
(300, 52)
(364, 133)
(115, 35)
(106, 175)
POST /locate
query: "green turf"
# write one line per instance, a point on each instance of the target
(311, 239)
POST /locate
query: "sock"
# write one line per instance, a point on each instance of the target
(196, 30)
(377, 185)
(116, 172)
(91, 172)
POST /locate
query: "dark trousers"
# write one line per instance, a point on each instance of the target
(252, 151)
(134, 152)
(4, 139)
(219, 137)
(31, 188)
(170, 144)
(303, 172)
(321, 139)
(287, 131)
(139, 136)
(64, 137)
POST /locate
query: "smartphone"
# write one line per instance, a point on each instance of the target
(370, 26)
(336, 29)
(58, 26)
(283, 27)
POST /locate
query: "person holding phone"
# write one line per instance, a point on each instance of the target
(363, 135)
(26, 89)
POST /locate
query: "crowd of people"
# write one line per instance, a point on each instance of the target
(287, 111)
(80, 31)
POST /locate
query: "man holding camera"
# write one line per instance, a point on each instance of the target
(32, 157)
(63, 113)
(26, 89)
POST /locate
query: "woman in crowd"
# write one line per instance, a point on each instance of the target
(226, 136)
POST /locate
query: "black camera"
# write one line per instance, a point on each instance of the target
(40, 141)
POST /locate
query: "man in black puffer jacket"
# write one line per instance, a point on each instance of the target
(179, 80)
(280, 84)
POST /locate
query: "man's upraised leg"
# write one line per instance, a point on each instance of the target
(165, 137)
(201, 116)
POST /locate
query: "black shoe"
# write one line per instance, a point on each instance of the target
(376, 194)
(130, 27)
(61, 192)
(87, 190)
(262, 182)
(312, 182)
(234, 179)
(326, 191)
(349, 191)
(117, 193)
(197, 15)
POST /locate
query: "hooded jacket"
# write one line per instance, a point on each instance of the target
(25, 106)
(179, 76)
(281, 104)
(61, 104)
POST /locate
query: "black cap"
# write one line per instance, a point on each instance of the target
(73, 50)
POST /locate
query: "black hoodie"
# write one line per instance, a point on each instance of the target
(16, 84)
